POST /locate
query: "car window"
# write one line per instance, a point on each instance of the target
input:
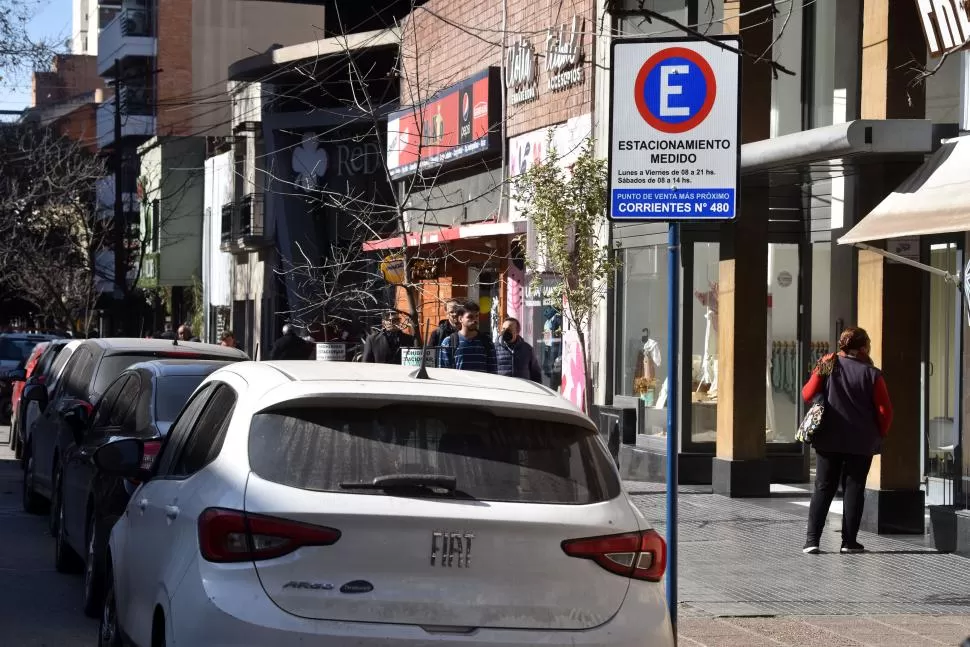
(62, 358)
(77, 375)
(205, 440)
(180, 430)
(493, 458)
(107, 405)
(121, 415)
(171, 394)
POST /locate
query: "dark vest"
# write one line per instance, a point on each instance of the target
(850, 425)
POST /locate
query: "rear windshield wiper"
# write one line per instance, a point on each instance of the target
(428, 482)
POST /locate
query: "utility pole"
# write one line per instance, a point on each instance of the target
(120, 217)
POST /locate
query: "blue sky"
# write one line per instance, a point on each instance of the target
(53, 22)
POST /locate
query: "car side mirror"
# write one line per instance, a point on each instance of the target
(17, 375)
(36, 393)
(123, 457)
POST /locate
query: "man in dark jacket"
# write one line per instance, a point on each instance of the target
(446, 327)
(514, 354)
(384, 346)
(291, 346)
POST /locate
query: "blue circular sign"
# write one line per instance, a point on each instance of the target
(675, 90)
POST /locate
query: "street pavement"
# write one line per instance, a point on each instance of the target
(743, 579)
(38, 606)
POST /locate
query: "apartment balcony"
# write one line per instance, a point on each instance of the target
(243, 227)
(130, 35)
(252, 232)
(138, 118)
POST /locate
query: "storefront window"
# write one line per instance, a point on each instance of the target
(643, 343)
(542, 327)
(703, 397)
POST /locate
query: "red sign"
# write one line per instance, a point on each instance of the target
(458, 122)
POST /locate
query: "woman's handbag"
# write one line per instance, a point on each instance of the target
(815, 415)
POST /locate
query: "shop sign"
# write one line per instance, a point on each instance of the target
(946, 24)
(392, 269)
(459, 122)
(541, 294)
(674, 130)
(522, 73)
(564, 55)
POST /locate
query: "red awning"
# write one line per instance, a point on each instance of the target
(444, 235)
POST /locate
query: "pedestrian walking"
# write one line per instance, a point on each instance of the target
(514, 355)
(384, 346)
(466, 349)
(185, 333)
(857, 416)
(446, 327)
(228, 339)
(291, 346)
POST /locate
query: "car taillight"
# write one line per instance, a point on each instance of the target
(150, 452)
(234, 536)
(638, 555)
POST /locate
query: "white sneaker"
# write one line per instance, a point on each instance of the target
(811, 549)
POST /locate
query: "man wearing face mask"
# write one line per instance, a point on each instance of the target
(514, 354)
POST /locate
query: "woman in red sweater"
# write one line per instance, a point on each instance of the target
(858, 414)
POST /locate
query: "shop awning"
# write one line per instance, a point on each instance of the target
(448, 234)
(933, 200)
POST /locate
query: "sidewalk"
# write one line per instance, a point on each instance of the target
(744, 580)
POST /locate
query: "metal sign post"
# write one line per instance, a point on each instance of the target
(674, 156)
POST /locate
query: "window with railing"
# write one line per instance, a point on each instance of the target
(251, 215)
(228, 213)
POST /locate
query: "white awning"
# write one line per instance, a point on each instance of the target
(934, 200)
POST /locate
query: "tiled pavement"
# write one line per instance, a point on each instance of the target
(742, 559)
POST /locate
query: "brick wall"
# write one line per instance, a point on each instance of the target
(174, 60)
(449, 40)
(81, 126)
(70, 75)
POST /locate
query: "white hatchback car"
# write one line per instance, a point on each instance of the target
(311, 503)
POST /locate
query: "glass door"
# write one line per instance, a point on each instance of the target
(941, 368)
(783, 381)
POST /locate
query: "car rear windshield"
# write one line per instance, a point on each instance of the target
(16, 350)
(171, 394)
(493, 458)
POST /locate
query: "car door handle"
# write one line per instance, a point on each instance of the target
(171, 511)
(143, 505)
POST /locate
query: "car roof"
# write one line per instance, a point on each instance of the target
(179, 367)
(271, 383)
(116, 345)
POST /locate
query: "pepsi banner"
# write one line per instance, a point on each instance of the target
(674, 132)
(458, 122)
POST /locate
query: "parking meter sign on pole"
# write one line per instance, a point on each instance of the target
(674, 157)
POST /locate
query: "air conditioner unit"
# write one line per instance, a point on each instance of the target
(136, 23)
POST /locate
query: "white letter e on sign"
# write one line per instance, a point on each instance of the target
(667, 90)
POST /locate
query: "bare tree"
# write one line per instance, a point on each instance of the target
(50, 234)
(19, 51)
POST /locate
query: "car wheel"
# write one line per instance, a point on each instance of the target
(93, 571)
(109, 633)
(65, 559)
(32, 502)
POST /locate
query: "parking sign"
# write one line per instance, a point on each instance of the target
(674, 130)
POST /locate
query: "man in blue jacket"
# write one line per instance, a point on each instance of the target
(514, 354)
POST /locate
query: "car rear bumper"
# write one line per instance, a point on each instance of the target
(226, 605)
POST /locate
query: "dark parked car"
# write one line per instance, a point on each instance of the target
(41, 372)
(94, 365)
(15, 348)
(142, 403)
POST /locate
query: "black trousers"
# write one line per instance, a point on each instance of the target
(831, 469)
